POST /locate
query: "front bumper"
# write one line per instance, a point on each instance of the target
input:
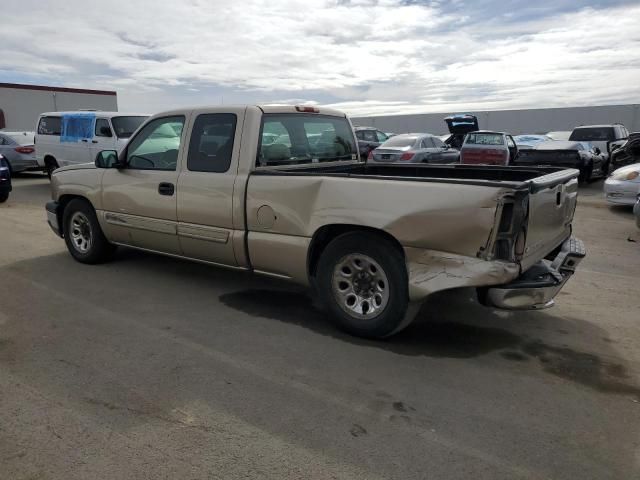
(53, 217)
(537, 287)
(621, 192)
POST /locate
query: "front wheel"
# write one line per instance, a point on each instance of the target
(362, 280)
(83, 235)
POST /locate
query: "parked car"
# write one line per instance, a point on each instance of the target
(581, 155)
(606, 137)
(369, 138)
(488, 148)
(67, 138)
(5, 179)
(627, 153)
(559, 135)
(623, 185)
(530, 141)
(373, 239)
(459, 125)
(18, 150)
(414, 148)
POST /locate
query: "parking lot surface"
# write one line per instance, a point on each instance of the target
(150, 367)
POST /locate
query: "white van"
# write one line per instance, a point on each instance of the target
(66, 138)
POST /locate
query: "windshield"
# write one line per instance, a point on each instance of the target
(399, 142)
(290, 139)
(484, 139)
(125, 126)
(593, 134)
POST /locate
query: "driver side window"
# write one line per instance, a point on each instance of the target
(156, 146)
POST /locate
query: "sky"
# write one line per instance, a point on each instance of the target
(364, 57)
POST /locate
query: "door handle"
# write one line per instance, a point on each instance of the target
(94, 141)
(166, 188)
(84, 140)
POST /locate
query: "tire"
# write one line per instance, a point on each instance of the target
(50, 164)
(83, 235)
(4, 197)
(586, 174)
(374, 305)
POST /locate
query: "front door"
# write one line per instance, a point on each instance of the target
(139, 201)
(205, 187)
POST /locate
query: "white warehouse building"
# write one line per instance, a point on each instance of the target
(517, 122)
(21, 104)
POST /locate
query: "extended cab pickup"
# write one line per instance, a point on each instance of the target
(282, 191)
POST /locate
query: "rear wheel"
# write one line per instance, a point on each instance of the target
(4, 197)
(83, 235)
(362, 280)
(50, 164)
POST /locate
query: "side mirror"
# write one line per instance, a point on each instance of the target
(108, 159)
(106, 132)
(597, 151)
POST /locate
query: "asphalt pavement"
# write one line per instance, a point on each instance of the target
(149, 368)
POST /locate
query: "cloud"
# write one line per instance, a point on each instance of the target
(367, 57)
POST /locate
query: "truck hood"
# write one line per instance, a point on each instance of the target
(462, 123)
(77, 166)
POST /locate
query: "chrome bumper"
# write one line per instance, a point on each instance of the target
(536, 288)
(52, 217)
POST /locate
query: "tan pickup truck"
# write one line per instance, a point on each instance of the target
(282, 191)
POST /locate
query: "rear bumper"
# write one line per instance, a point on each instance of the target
(621, 192)
(537, 287)
(52, 217)
(22, 164)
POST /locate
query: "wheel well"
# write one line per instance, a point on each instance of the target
(324, 235)
(50, 159)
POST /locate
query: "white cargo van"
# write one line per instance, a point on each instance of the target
(66, 138)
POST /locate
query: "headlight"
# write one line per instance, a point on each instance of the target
(632, 175)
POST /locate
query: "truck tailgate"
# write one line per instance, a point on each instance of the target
(552, 203)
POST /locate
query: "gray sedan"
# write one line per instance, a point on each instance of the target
(19, 150)
(414, 148)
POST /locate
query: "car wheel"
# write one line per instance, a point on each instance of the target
(362, 281)
(83, 235)
(4, 196)
(586, 174)
(50, 164)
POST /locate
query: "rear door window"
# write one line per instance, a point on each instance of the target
(301, 139)
(211, 143)
(49, 126)
(484, 139)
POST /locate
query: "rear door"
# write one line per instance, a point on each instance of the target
(206, 185)
(552, 202)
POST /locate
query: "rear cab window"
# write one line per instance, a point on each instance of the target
(484, 139)
(593, 134)
(296, 138)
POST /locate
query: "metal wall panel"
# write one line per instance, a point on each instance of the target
(517, 122)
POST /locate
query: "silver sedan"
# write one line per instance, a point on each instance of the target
(414, 148)
(623, 185)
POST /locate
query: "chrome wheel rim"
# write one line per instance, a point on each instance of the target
(360, 286)
(80, 230)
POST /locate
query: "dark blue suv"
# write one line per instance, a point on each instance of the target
(5, 179)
